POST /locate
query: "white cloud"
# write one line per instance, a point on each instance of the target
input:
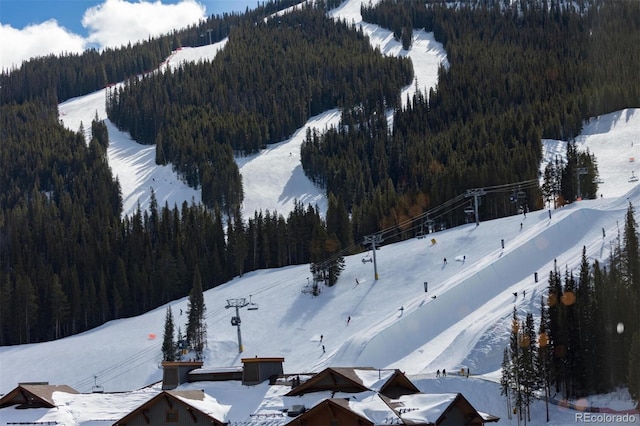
(42, 39)
(111, 24)
(117, 22)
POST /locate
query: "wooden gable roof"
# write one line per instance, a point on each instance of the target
(471, 415)
(334, 379)
(331, 409)
(172, 398)
(397, 385)
(392, 383)
(34, 395)
(435, 409)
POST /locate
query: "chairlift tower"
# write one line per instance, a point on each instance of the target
(235, 321)
(373, 240)
(579, 172)
(475, 193)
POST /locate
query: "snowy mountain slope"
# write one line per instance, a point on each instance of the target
(466, 325)
(273, 179)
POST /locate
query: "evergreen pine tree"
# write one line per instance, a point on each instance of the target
(168, 344)
(529, 376)
(543, 359)
(506, 379)
(633, 371)
(517, 396)
(59, 306)
(180, 344)
(587, 309)
(196, 327)
(631, 252)
(557, 331)
(573, 358)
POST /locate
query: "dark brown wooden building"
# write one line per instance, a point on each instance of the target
(389, 382)
(34, 395)
(374, 409)
(177, 408)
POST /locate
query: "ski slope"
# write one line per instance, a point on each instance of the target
(466, 325)
(273, 179)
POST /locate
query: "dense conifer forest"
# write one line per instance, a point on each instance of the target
(202, 114)
(577, 349)
(69, 261)
(517, 74)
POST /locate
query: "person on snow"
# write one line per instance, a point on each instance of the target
(438, 373)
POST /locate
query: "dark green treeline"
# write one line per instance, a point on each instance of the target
(68, 262)
(588, 337)
(270, 78)
(517, 74)
(53, 79)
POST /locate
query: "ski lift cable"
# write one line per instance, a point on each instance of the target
(393, 231)
(433, 213)
(105, 372)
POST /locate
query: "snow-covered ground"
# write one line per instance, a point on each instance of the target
(273, 180)
(466, 325)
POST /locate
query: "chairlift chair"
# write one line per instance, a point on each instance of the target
(252, 306)
(96, 387)
(633, 177)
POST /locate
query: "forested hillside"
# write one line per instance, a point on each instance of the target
(588, 338)
(70, 262)
(517, 74)
(270, 78)
(54, 79)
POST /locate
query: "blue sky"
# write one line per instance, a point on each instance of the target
(31, 28)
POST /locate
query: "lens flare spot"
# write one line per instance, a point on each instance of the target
(568, 298)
